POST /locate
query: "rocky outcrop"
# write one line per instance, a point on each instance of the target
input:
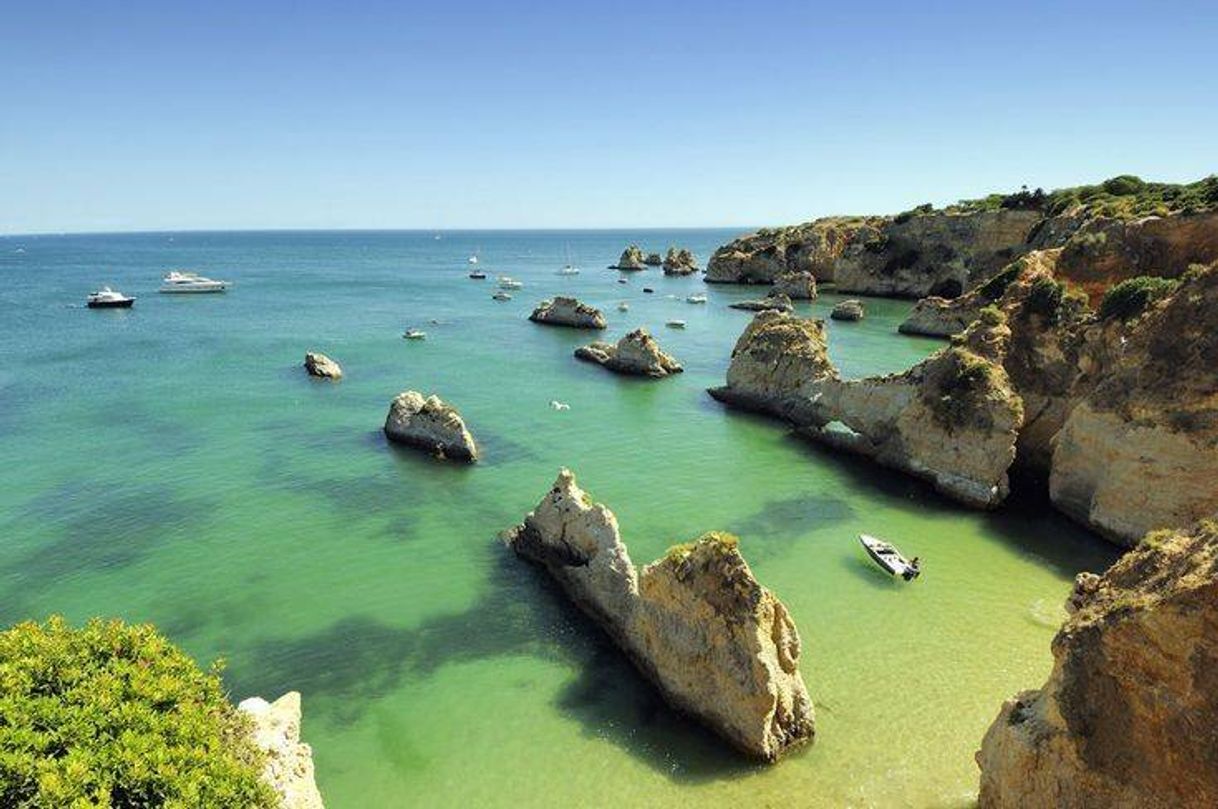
(636, 354)
(320, 365)
(653, 260)
(289, 762)
(563, 311)
(679, 261)
(1129, 716)
(799, 285)
(632, 259)
(848, 310)
(429, 423)
(759, 258)
(937, 253)
(772, 302)
(952, 419)
(1139, 449)
(716, 644)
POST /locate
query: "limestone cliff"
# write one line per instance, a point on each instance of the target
(1129, 716)
(679, 261)
(565, 311)
(814, 247)
(431, 424)
(717, 644)
(289, 762)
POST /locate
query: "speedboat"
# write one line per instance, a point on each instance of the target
(507, 282)
(648, 290)
(502, 296)
(696, 299)
(415, 334)
(180, 281)
(569, 270)
(888, 557)
(107, 298)
(623, 307)
(675, 324)
(477, 275)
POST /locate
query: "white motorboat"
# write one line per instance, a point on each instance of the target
(569, 270)
(107, 298)
(696, 299)
(675, 324)
(507, 282)
(181, 282)
(623, 307)
(415, 334)
(888, 557)
(502, 296)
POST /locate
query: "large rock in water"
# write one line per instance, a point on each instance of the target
(1129, 717)
(320, 365)
(717, 644)
(679, 261)
(636, 354)
(774, 301)
(430, 423)
(849, 310)
(563, 311)
(799, 285)
(289, 762)
(632, 259)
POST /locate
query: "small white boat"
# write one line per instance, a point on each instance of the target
(675, 324)
(888, 557)
(508, 282)
(477, 275)
(181, 282)
(696, 299)
(623, 307)
(569, 270)
(107, 298)
(415, 334)
(557, 405)
(502, 296)
(472, 259)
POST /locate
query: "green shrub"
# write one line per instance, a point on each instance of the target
(962, 390)
(994, 288)
(1045, 299)
(1130, 298)
(991, 316)
(1122, 197)
(115, 715)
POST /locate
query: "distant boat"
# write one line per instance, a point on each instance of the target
(107, 298)
(502, 296)
(478, 275)
(508, 282)
(675, 324)
(623, 307)
(623, 281)
(648, 290)
(473, 259)
(569, 268)
(179, 282)
(888, 557)
(415, 334)
(696, 299)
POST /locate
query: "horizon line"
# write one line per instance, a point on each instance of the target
(157, 231)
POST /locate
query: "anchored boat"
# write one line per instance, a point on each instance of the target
(888, 557)
(107, 298)
(179, 282)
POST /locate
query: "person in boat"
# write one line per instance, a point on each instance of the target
(914, 562)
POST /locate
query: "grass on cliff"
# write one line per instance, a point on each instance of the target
(1122, 197)
(115, 715)
(1130, 298)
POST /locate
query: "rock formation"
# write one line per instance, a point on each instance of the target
(797, 285)
(777, 302)
(636, 354)
(847, 310)
(717, 644)
(653, 260)
(563, 311)
(1129, 716)
(632, 259)
(289, 762)
(431, 424)
(679, 261)
(320, 365)
(814, 247)
(952, 419)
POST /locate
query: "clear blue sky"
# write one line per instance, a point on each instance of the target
(137, 115)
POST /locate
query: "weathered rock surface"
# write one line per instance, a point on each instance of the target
(759, 258)
(289, 762)
(320, 365)
(798, 285)
(679, 261)
(636, 354)
(1129, 716)
(430, 423)
(632, 258)
(775, 302)
(717, 644)
(563, 311)
(653, 260)
(848, 310)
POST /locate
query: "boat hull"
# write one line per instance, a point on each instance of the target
(111, 304)
(192, 291)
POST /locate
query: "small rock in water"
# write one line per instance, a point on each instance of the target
(321, 366)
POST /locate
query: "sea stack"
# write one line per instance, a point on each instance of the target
(564, 311)
(429, 423)
(321, 366)
(775, 301)
(679, 261)
(799, 285)
(718, 645)
(632, 259)
(848, 310)
(636, 354)
(289, 761)
(1129, 716)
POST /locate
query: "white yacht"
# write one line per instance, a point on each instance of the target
(107, 298)
(675, 324)
(180, 281)
(508, 282)
(696, 299)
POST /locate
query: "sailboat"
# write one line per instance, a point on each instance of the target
(569, 268)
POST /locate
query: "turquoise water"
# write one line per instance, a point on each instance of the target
(174, 464)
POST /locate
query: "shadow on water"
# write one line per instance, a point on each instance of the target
(345, 668)
(780, 522)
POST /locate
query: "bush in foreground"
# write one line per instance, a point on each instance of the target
(1130, 298)
(115, 715)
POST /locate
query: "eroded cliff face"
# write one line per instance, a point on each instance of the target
(717, 644)
(814, 247)
(1129, 717)
(289, 761)
(637, 354)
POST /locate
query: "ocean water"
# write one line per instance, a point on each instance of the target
(173, 463)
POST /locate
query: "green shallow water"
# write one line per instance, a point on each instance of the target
(174, 464)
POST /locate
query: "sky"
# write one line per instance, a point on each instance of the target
(449, 114)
